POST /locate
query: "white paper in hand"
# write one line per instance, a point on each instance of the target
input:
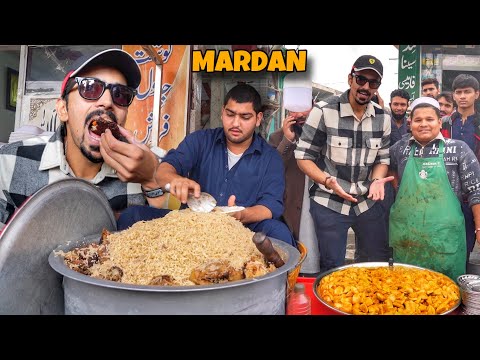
(229, 209)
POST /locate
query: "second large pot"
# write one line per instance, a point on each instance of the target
(366, 265)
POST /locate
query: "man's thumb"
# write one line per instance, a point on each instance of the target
(231, 200)
(387, 179)
(127, 134)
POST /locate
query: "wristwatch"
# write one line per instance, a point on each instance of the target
(153, 193)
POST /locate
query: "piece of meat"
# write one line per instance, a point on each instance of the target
(234, 275)
(81, 260)
(256, 268)
(162, 280)
(213, 272)
(102, 253)
(78, 266)
(103, 239)
(98, 127)
(114, 274)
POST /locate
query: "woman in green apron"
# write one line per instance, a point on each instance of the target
(427, 226)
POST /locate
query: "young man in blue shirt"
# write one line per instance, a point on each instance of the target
(233, 163)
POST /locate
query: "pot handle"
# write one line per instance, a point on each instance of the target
(390, 257)
(264, 245)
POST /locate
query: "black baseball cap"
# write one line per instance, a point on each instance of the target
(368, 62)
(116, 58)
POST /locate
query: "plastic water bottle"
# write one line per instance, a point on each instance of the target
(299, 303)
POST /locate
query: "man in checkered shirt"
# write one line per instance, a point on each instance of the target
(75, 150)
(343, 148)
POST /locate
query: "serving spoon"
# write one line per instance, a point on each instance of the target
(205, 203)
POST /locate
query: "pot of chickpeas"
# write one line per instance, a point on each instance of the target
(375, 288)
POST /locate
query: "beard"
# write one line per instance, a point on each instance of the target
(360, 102)
(366, 94)
(88, 153)
(398, 116)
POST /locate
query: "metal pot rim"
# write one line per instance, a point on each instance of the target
(56, 262)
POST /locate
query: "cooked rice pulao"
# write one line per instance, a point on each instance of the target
(182, 248)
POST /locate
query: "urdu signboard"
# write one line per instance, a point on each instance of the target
(409, 70)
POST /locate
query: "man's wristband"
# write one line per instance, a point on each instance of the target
(152, 193)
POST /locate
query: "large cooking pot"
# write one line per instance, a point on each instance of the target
(363, 264)
(263, 295)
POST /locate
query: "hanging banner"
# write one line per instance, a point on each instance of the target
(409, 70)
(174, 96)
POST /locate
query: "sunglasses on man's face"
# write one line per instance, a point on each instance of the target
(362, 80)
(92, 89)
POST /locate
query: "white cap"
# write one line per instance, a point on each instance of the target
(425, 100)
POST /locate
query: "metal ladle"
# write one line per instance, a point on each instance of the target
(204, 203)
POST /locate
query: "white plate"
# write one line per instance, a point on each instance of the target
(229, 209)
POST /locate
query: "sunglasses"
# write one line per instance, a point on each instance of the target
(92, 89)
(362, 80)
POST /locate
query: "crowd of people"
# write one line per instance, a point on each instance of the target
(404, 176)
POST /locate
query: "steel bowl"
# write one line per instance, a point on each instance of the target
(263, 295)
(368, 265)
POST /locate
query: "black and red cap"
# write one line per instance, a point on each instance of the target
(116, 58)
(368, 62)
